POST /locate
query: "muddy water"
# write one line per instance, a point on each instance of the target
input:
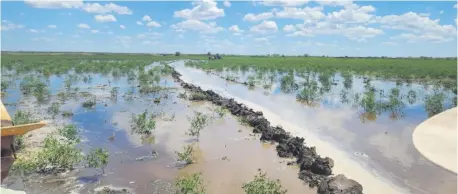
(378, 152)
(227, 154)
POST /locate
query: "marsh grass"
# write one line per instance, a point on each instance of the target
(90, 103)
(190, 184)
(197, 96)
(262, 184)
(70, 132)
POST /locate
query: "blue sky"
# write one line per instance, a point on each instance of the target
(334, 28)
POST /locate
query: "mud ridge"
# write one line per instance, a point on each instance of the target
(314, 170)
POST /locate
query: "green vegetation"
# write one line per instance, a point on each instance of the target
(90, 103)
(190, 184)
(56, 156)
(54, 109)
(70, 132)
(97, 158)
(187, 155)
(262, 184)
(198, 122)
(67, 114)
(143, 123)
(197, 96)
(21, 117)
(434, 103)
(221, 111)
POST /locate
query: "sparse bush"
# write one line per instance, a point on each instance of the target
(54, 109)
(97, 158)
(90, 103)
(114, 92)
(143, 123)
(434, 103)
(187, 155)
(67, 114)
(182, 95)
(70, 132)
(197, 96)
(262, 184)
(198, 123)
(190, 184)
(221, 111)
(21, 118)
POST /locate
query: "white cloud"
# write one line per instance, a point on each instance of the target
(455, 6)
(416, 23)
(235, 29)
(153, 24)
(413, 38)
(204, 10)
(335, 3)
(84, 26)
(105, 18)
(227, 3)
(107, 8)
(54, 4)
(122, 26)
(307, 13)
(254, 18)
(352, 14)
(265, 27)
(45, 39)
(301, 33)
(289, 28)
(197, 25)
(149, 35)
(139, 23)
(7, 25)
(94, 31)
(52, 26)
(283, 3)
(441, 12)
(146, 18)
(109, 32)
(33, 31)
(390, 43)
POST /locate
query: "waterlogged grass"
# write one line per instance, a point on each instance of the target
(190, 184)
(70, 132)
(262, 184)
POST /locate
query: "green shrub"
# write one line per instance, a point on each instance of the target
(70, 132)
(89, 103)
(198, 123)
(197, 96)
(221, 111)
(97, 158)
(434, 103)
(67, 114)
(190, 184)
(262, 184)
(21, 118)
(187, 155)
(143, 123)
(57, 155)
(54, 109)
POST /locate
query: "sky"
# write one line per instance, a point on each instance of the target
(332, 28)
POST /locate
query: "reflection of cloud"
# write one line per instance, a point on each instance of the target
(394, 147)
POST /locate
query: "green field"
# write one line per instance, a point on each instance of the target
(413, 68)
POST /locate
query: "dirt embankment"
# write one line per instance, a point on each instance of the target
(314, 170)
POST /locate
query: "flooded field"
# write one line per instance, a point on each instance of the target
(142, 117)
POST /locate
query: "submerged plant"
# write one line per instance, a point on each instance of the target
(58, 155)
(190, 184)
(411, 97)
(54, 109)
(198, 123)
(143, 123)
(187, 155)
(70, 132)
(114, 93)
(197, 96)
(287, 83)
(221, 111)
(90, 103)
(434, 103)
(97, 158)
(262, 184)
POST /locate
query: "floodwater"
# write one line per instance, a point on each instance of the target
(375, 150)
(228, 154)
